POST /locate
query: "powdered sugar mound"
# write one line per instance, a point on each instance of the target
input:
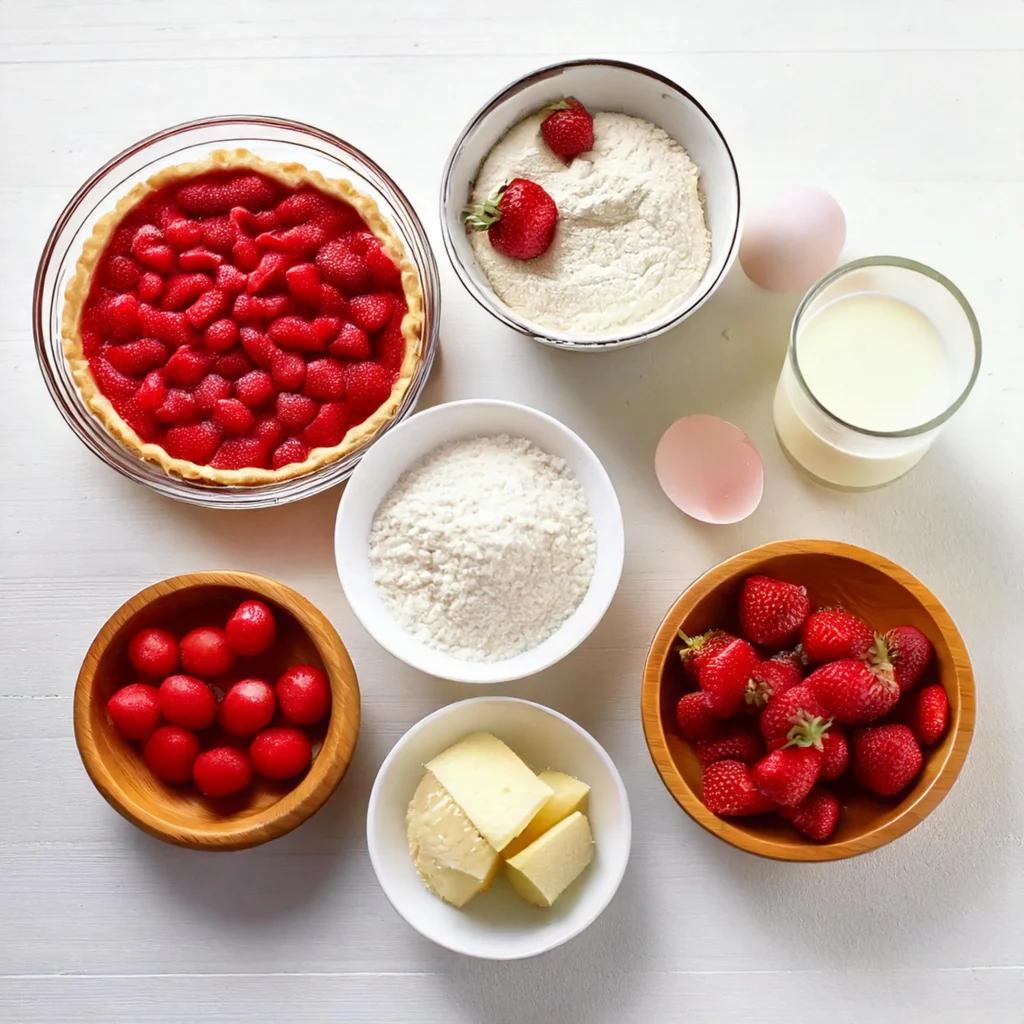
(484, 547)
(631, 241)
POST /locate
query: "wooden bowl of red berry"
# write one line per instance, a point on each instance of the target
(217, 710)
(808, 700)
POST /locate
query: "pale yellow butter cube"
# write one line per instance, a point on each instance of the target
(570, 796)
(549, 865)
(453, 859)
(498, 793)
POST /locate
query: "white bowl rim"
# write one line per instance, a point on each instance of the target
(474, 670)
(563, 339)
(373, 809)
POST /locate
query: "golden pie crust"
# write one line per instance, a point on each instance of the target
(293, 176)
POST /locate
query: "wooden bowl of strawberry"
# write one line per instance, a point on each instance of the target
(217, 710)
(808, 700)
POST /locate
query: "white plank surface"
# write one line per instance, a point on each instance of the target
(910, 112)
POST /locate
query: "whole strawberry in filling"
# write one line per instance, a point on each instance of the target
(238, 323)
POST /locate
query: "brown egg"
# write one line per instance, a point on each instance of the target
(793, 240)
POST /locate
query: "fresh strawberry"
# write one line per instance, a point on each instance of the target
(301, 239)
(219, 234)
(194, 442)
(340, 266)
(769, 679)
(856, 691)
(295, 411)
(208, 198)
(390, 346)
(288, 370)
(694, 717)
(351, 343)
(267, 220)
(371, 312)
(200, 259)
(772, 611)
(794, 662)
(231, 279)
(209, 391)
(292, 450)
(167, 326)
(221, 335)
(359, 241)
(112, 382)
(137, 357)
(258, 347)
(255, 388)
(325, 378)
(269, 271)
(151, 249)
(244, 221)
(386, 275)
(326, 328)
(724, 678)
(930, 714)
(152, 391)
(816, 816)
(234, 364)
(698, 650)
(833, 634)
(233, 417)
(302, 207)
(183, 233)
(188, 365)
(519, 219)
(140, 418)
(177, 406)
(788, 774)
(182, 290)
(367, 387)
(295, 333)
(151, 284)
(910, 651)
(568, 129)
(738, 741)
(332, 302)
(795, 714)
(886, 758)
(241, 453)
(304, 283)
(121, 273)
(118, 317)
(329, 427)
(207, 308)
(835, 753)
(729, 791)
(246, 254)
(269, 428)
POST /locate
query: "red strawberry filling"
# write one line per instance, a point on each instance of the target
(238, 323)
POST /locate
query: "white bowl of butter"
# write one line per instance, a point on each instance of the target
(561, 817)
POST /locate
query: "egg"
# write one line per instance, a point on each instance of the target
(792, 241)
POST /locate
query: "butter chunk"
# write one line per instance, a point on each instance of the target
(549, 865)
(454, 861)
(495, 789)
(570, 796)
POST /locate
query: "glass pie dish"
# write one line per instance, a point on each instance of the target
(275, 139)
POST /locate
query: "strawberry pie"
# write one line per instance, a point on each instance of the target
(240, 322)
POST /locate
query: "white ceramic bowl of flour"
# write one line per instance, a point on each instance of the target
(497, 924)
(600, 85)
(406, 444)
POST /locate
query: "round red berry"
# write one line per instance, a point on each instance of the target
(281, 753)
(222, 771)
(251, 629)
(205, 652)
(134, 710)
(170, 753)
(187, 701)
(303, 693)
(247, 707)
(154, 652)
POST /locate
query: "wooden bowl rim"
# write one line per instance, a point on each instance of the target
(911, 811)
(295, 806)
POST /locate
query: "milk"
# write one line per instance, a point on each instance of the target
(877, 364)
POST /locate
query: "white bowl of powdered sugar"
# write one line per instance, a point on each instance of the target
(479, 541)
(648, 218)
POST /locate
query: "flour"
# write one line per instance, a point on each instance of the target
(484, 548)
(631, 242)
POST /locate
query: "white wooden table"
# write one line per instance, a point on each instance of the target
(910, 112)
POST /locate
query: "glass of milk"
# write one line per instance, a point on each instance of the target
(881, 353)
